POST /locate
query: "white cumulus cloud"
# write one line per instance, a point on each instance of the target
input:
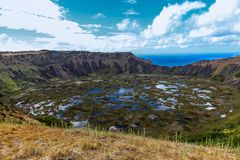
(219, 12)
(7, 43)
(177, 25)
(46, 17)
(169, 18)
(127, 25)
(219, 25)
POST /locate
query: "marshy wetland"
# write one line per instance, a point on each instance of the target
(156, 104)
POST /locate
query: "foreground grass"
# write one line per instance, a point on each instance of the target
(38, 142)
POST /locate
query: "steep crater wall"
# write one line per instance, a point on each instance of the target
(64, 64)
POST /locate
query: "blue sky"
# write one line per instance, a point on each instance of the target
(141, 26)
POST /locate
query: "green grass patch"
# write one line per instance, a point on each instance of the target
(238, 75)
(53, 121)
(8, 84)
(219, 78)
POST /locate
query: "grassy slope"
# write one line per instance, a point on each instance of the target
(7, 84)
(15, 115)
(38, 142)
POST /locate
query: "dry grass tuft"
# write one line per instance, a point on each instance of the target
(37, 142)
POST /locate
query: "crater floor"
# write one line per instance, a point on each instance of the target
(156, 104)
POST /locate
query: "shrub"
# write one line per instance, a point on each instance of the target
(53, 121)
(219, 78)
(238, 75)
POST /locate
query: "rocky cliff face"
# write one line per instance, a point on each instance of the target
(225, 70)
(64, 64)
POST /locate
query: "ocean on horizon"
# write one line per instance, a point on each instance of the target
(183, 59)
